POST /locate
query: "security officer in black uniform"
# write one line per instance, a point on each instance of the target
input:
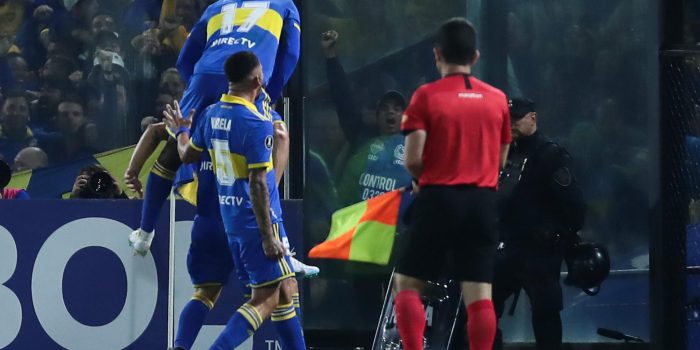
(541, 209)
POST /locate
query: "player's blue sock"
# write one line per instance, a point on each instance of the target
(297, 305)
(286, 322)
(242, 325)
(191, 321)
(160, 181)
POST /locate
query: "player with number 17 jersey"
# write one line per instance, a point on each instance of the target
(270, 29)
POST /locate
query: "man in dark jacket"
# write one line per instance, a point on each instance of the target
(541, 209)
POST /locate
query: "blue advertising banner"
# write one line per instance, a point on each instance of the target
(68, 278)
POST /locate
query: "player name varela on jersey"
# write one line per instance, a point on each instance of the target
(221, 124)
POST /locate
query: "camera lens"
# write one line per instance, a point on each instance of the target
(100, 184)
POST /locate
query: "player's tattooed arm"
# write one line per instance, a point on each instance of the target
(280, 154)
(175, 121)
(260, 197)
(154, 134)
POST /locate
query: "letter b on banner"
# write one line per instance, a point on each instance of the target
(11, 315)
(47, 286)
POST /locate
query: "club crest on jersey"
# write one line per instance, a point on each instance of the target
(400, 152)
(268, 142)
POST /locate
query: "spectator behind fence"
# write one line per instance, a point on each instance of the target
(33, 36)
(376, 163)
(76, 137)
(22, 78)
(95, 182)
(57, 67)
(5, 177)
(171, 82)
(30, 158)
(103, 22)
(43, 108)
(107, 85)
(15, 133)
(162, 100)
(11, 15)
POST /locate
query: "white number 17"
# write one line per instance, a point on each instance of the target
(229, 16)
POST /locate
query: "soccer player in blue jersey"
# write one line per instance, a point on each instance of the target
(239, 141)
(209, 261)
(270, 29)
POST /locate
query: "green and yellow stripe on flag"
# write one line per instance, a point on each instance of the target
(363, 232)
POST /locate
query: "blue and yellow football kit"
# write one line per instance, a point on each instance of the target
(269, 29)
(209, 260)
(239, 138)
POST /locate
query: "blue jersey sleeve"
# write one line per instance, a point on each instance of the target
(193, 49)
(197, 139)
(287, 53)
(276, 117)
(257, 145)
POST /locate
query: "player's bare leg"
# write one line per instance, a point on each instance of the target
(160, 182)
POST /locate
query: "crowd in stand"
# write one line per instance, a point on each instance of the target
(585, 65)
(79, 77)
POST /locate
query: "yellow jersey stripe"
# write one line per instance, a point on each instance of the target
(297, 26)
(241, 101)
(188, 192)
(276, 280)
(208, 303)
(195, 147)
(259, 165)
(248, 318)
(270, 21)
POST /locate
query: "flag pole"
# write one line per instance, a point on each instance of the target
(171, 273)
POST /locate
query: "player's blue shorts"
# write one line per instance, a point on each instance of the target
(262, 271)
(209, 259)
(240, 269)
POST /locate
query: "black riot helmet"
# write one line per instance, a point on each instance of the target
(588, 265)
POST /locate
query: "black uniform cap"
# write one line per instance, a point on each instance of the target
(520, 106)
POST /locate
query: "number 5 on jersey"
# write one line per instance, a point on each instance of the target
(223, 164)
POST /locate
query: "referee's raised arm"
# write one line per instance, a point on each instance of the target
(457, 139)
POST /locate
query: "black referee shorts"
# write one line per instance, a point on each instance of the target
(453, 225)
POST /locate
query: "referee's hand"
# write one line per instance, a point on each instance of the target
(416, 187)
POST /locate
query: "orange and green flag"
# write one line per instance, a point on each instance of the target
(363, 232)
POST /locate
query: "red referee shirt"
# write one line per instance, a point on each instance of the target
(466, 121)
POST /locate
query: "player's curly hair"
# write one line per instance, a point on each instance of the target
(239, 66)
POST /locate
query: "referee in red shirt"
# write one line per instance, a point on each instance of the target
(457, 137)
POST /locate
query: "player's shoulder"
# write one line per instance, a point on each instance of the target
(284, 7)
(423, 89)
(215, 7)
(250, 116)
(484, 87)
